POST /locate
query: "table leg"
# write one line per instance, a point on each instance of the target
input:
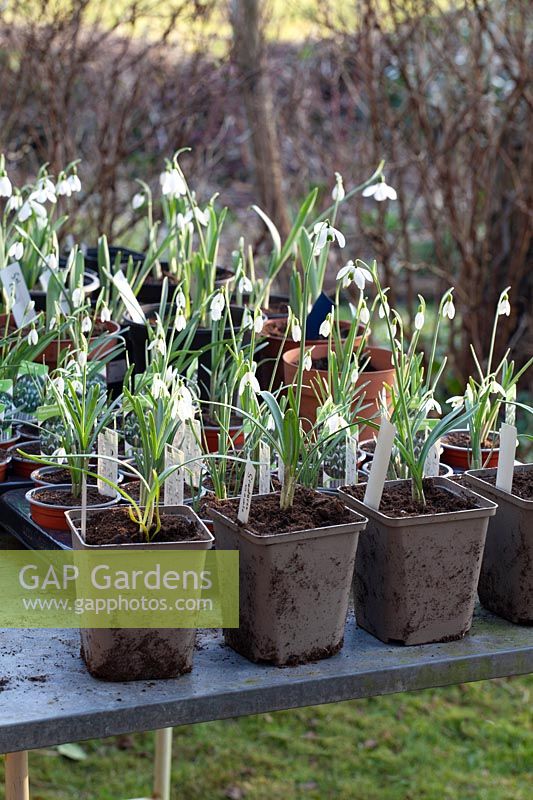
(17, 777)
(163, 762)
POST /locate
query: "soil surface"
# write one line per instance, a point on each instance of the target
(62, 497)
(114, 526)
(397, 501)
(33, 447)
(462, 439)
(522, 484)
(310, 510)
(277, 307)
(60, 475)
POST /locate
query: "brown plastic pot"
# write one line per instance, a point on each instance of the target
(445, 471)
(7, 444)
(459, 457)
(415, 578)
(5, 461)
(52, 353)
(22, 467)
(210, 437)
(369, 386)
(506, 579)
(54, 516)
(41, 476)
(293, 589)
(134, 654)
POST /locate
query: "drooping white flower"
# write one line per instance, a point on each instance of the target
(60, 455)
(77, 297)
(16, 251)
(137, 201)
(63, 188)
(172, 184)
(74, 183)
(338, 192)
(33, 337)
(45, 191)
(180, 299)
(504, 306)
(6, 188)
(384, 309)
(105, 314)
(52, 262)
(184, 220)
(244, 285)
(457, 401)
(258, 321)
(159, 344)
(14, 203)
(351, 273)
(59, 385)
(296, 331)
(419, 320)
(86, 324)
(335, 422)
(324, 233)
(308, 361)
(180, 322)
(82, 359)
(433, 405)
(170, 374)
(325, 328)
(380, 191)
(354, 375)
(448, 309)
(497, 388)
(32, 206)
(247, 319)
(249, 379)
(202, 217)
(159, 388)
(364, 314)
(184, 404)
(217, 306)
(52, 324)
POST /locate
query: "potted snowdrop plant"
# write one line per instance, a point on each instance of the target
(296, 546)
(418, 564)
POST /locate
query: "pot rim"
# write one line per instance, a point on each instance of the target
(91, 286)
(475, 478)
(29, 497)
(289, 357)
(367, 464)
(19, 445)
(345, 324)
(451, 446)
(49, 467)
(358, 524)
(73, 517)
(485, 507)
(5, 459)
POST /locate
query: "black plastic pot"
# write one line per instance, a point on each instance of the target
(91, 285)
(91, 256)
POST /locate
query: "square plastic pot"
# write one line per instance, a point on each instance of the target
(294, 590)
(415, 578)
(506, 579)
(133, 654)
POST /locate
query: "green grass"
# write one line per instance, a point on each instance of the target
(468, 742)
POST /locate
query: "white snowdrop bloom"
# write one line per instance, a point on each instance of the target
(457, 401)
(384, 309)
(296, 331)
(170, 375)
(419, 320)
(380, 191)
(52, 324)
(137, 201)
(184, 405)
(247, 319)
(324, 233)
(338, 192)
(180, 323)
(364, 314)
(82, 359)
(497, 388)
(52, 262)
(180, 299)
(16, 251)
(63, 188)
(244, 286)
(30, 207)
(86, 325)
(77, 297)
(504, 306)
(308, 361)
(249, 379)
(217, 307)
(270, 424)
(184, 220)
(172, 184)
(14, 203)
(258, 321)
(33, 337)
(45, 192)
(74, 183)
(432, 405)
(59, 385)
(335, 422)
(354, 375)
(158, 344)
(159, 387)
(6, 188)
(351, 273)
(77, 386)
(325, 328)
(448, 309)
(105, 314)
(201, 217)
(60, 455)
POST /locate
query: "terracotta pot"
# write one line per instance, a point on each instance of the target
(459, 457)
(415, 578)
(444, 470)
(132, 654)
(53, 516)
(5, 461)
(293, 588)
(52, 353)
(267, 355)
(369, 386)
(40, 476)
(506, 579)
(22, 467)
(210, 437)
(6, 444)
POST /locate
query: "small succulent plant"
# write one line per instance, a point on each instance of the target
(28, 393)
(132, 432)
(51, 435)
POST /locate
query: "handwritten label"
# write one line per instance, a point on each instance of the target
(264, 468)
(510, 408)
(380, 465)
(15, 287)
(246, 492)
(107, 468)
(130, 301)
(432, 462)
(351, 459)
(504, 475)
(187, 438)
(174, 484)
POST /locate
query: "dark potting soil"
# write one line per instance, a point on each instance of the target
(398, 502)
(322, 364)
(62, 497)
(462, 439)
(277, 307)
(310, 510)
(114, 526)
(61, 475)
(28, 431)
(368, 446)
(33, 447)
(522, 484)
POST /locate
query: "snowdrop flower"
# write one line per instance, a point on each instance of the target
(456, 402)
(46, 191)
(419, 320)
(217, 307)
(77, 297)
(504, 306)
(172, 183)
(31, 206)
(338, 192)
(59, 385)
(33, 337)
(52, 324)
(86, 325)
(201, 216)
(351, 273)
(63, 188)
(335, 422)
(308, 361)
(180, 299)
(244, 286)
(6, 188)
(258, 321)
(364, 314)
(184, 220)
(16, 251)
(14, 203)
(52, 262)
(137, 201)
(60, 455)
(82, 359)
(74, 183)
(380, 191)
(170, 374)
(158, 344)
(324, 233)
(249, 379)
(354, 376)
(384, 309)
(180, 322)
(296, 331)
(448, 309)
(325, 328)
(432, 405)
(497, 388)
(105, 314)
(159, 388)
(247, 319)
(184, 404)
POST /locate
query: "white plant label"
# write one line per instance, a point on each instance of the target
(432, 462)
(188, 438)
(174, 484)
(107, 468)
(264, 468)
(380, 465)
(15, 287)
(128, 298)
(281, 472)
(83, 506)
(504, 475)
(246, 492)
(510, 408)
(351, 459)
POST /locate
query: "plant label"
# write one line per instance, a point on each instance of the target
(188, 439)
(128, 298)
(174, 484)
(107, 461)
(15, 287)
(351, 459)
(432, 462)
(83, 506)
(281, 472)
(510, 408)
(264, 468)
(504, 475)
(380, 465)
(246, 493)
